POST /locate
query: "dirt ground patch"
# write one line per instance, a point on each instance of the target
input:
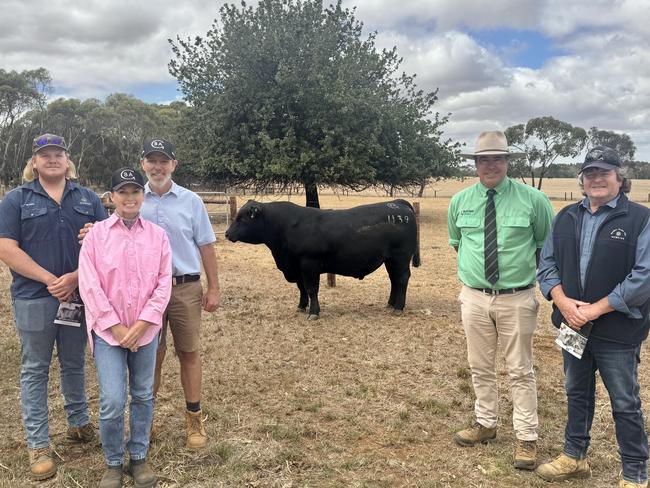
(360, 398)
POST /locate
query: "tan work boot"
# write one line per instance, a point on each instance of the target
(41, 464)
(629, 484)
(85, 433)
(196, 436)
(143, 475)
(562, 468)
(112, 478)
(525, 454)
(476, 434)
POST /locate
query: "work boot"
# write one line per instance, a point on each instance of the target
(476, 434)
(630, 484)
(564, 467)
(41, 464)
(112, 477)
(525, 454)
(85, 433)
(196, 436)
(143, 475)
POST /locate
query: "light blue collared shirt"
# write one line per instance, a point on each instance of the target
(182, 214)
(635, 285)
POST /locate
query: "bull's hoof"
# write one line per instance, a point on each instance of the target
(301, 309)
(312, 316)
(397, 312)
(390, 306)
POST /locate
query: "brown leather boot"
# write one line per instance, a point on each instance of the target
(525, 454)
(41, 464)
(562, 468)
(112, 477)
(85, 433)
(143, 475)
(196, 436)
(476, 434)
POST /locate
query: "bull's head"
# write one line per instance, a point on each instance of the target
(248, 226)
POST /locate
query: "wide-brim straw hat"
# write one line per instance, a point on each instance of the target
(492, 142)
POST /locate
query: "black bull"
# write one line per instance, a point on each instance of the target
(306, 242)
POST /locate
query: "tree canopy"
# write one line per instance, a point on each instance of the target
(543, 139)
(291, 92)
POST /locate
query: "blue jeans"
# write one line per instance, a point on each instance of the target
(38, 334)
(112, 364)
(618, 367)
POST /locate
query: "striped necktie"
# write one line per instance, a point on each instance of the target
(490, 240)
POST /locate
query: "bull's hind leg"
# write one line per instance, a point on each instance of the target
(399, 273)
(304, 298)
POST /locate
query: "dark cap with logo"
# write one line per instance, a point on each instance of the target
(126, 176)
(48, 140)
(158, 145)
(601, 157)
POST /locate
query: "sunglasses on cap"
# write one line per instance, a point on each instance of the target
(48, 140)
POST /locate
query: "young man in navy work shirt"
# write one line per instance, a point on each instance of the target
(39, 222)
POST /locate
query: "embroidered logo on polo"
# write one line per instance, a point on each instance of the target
(127, 174)
(618, 234)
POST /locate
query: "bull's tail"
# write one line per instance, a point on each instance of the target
(416, 256)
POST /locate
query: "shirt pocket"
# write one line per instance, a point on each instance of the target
(514, 226)
(34, 224)
(468, 224)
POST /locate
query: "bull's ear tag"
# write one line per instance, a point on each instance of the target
(254, 212)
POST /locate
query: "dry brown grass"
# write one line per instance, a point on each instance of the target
(360, 398)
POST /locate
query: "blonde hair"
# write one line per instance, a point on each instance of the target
(29, 174)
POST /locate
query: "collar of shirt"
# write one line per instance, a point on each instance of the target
(36, 187)
(115, 219)
(611, 204)
(500, 188)
(174, 189)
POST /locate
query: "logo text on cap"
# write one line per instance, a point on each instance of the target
(158, 144)
(127, 174)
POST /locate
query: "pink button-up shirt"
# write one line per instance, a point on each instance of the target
(124, 276)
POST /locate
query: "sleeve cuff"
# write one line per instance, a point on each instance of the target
(104, 323)
(547, 285)
(151, 316)
(615, 301)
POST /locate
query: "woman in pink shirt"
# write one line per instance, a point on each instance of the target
(125, 283)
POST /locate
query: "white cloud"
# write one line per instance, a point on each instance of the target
(602, 77)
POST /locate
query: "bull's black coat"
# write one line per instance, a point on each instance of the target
(306, 242)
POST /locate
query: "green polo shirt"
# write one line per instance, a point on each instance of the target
(524, 216)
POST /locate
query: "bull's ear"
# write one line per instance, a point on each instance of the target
(254, 212)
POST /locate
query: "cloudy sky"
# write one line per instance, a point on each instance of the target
(496, 63)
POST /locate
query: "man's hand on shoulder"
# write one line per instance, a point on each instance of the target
(83, 231)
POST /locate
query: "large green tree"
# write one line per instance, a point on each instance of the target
(620, 141)
(291, 92)
(19, 92)
(544, 140)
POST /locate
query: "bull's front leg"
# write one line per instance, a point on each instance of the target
(304, 298)
(310, 271)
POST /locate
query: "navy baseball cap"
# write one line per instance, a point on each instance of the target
(48, 140)
(158, 145)
(601, 157)
(126, 176)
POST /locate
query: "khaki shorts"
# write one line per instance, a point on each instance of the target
(183, 315)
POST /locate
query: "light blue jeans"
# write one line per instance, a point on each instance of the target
(38, 334)
(113, 363)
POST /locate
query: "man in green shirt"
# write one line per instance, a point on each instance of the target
(498, 226)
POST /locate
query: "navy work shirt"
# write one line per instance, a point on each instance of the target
(47, 231)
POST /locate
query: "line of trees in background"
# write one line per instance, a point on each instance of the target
(285, 93)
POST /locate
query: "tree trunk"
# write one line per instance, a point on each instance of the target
(311, 195)
(423, 185)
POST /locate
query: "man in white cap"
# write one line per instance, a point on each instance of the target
(498, 226)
